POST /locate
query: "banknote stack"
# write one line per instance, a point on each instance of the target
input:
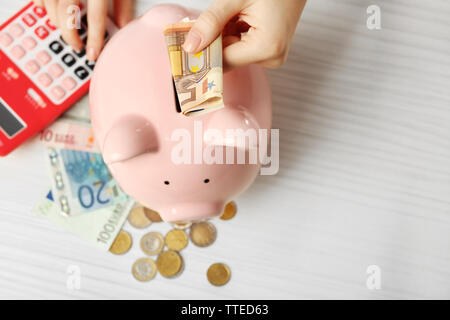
(198, 77)
(83, 198)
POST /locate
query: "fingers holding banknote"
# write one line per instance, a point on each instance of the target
(62, 15)
(254, 31)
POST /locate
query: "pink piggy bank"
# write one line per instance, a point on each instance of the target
(141, 134)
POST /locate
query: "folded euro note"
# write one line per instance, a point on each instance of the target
(198, 77)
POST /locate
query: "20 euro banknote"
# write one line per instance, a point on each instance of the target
(81, 182)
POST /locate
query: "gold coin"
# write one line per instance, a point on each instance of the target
(138, 218)
(144, 269)
(182, 225)
(229, 211)
(152, 215)
(122, 243)
(169, 263)
(218, 274)
(176, 239)
(203, 234)
(152, 243)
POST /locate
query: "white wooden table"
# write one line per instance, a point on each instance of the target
(364, 119)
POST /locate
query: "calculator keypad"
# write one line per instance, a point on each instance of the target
(36, 47)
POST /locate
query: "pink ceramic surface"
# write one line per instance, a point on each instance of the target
(134, 116)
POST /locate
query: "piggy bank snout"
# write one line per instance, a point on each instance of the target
(191, 211)
(131, 136)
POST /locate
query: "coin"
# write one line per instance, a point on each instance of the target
(122, 243)
(229, 211)
(152, 243)
(169, 263)
(182, 225)
(152, 215)
(176, 239)
(203, 234)
(138, 218)
(144, 269)
(218, 274)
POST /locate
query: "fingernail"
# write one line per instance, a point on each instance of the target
(192, 42)
(91, 54)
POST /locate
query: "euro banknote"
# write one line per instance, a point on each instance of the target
(66, 133)
(99, 227)
(81, 182)
(198, 77)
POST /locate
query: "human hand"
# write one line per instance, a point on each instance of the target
(254, 31)
(96, 14)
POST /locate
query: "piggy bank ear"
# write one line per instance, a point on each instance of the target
(129, 137)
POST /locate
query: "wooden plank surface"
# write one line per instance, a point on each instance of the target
(364, 177)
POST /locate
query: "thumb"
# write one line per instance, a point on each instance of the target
(210, 24)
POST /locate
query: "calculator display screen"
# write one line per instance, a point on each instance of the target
(10, 123)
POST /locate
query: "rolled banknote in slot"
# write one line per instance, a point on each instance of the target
(198, 77)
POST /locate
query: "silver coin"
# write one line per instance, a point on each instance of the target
(152, 243)
(144, 269)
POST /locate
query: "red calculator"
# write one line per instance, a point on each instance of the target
(40, 75)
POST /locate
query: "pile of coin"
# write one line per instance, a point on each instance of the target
(169, 263)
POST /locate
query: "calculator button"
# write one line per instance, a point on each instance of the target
(37, 98)
(32, 66)
(40, 12)
(81, 73)
(56, 70)
(43, 57)
(29, 20)
(29, 43)
(80, 53)
(41, 32)
(17, 52)
(90, 64)
(44, 79)
(56, 47)
(68, 59)
(58, 93)
(50, 25)
(69, 83)
(5, 39)
(16, 30)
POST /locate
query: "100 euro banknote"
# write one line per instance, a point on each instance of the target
(81, 182)
(198, 77)
(99, 227)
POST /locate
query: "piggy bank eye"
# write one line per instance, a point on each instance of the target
(129, 137)
(206, 181)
